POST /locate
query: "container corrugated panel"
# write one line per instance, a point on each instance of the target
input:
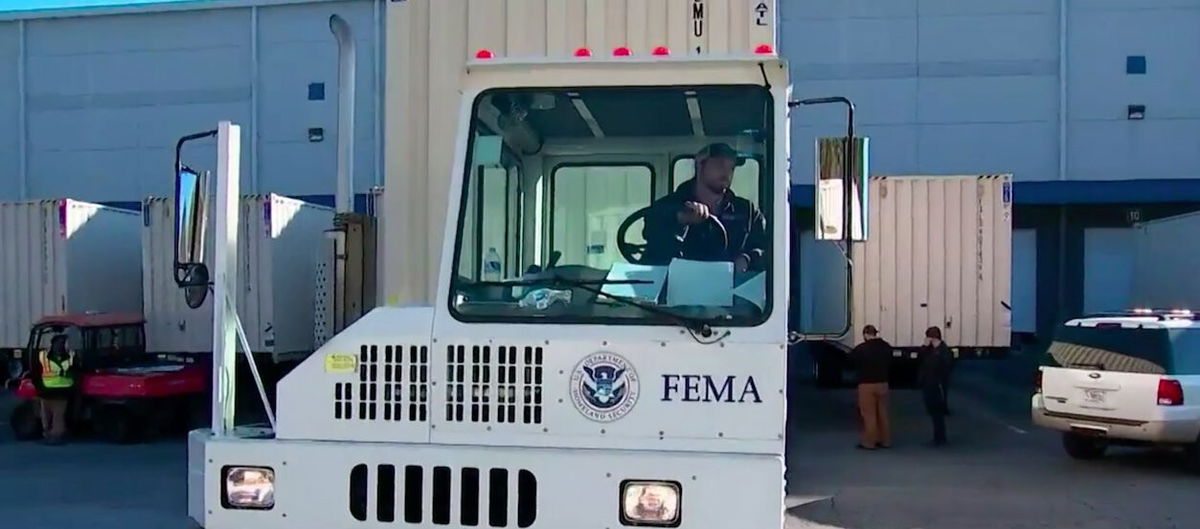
(276, 270)
(939, 253)
(64, 256)
(1166, 263)
(429, 43)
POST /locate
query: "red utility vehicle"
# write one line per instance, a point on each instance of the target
(122, 392)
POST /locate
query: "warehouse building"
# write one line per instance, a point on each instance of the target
(1089, 104)
(93, 99)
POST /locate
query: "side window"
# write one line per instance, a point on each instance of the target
(494, 193)
(588, 204)
(745, 177)
(1185, 344)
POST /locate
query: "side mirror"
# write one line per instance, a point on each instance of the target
(831, 188)
(191, 215)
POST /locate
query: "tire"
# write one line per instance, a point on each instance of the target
(25, 422)
(116, 424)
(1084, 448)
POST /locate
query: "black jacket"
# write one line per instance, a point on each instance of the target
(667, 239)
(935, 365)
(873, 361)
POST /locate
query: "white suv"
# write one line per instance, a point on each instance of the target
(1130, 379)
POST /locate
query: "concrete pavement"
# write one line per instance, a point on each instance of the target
(999, 472)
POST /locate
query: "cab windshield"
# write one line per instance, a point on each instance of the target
(617, 205)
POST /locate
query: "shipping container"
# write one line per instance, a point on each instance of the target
(1166, 260)
(280, 242)
(429, 43)
(64, 255)
(939, 253)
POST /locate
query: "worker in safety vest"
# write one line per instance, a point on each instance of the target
(54, 377)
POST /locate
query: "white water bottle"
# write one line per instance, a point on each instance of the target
(491, 265)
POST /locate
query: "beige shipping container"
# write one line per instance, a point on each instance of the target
(939, 253)
(428, 45)
(280, 241)
(59, 256)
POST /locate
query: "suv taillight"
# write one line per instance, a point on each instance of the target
(1037, 381)
(1170, 392)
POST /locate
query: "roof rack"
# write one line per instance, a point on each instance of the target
(1158, 314)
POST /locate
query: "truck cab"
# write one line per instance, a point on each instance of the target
(569, 372)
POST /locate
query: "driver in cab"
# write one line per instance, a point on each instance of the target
(703, 220)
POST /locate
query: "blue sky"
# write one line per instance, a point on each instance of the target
(35, 5)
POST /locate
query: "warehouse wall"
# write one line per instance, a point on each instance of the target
(9, 109)
(107, 96)
(972, 86)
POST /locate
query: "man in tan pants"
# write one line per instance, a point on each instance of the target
(873, 361)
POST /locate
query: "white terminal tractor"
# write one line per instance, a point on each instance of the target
(588, 361)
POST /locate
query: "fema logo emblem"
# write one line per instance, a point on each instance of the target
(604, 387)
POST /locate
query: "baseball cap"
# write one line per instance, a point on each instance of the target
(717, 150)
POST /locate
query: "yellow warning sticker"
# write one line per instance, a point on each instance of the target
(340, 363)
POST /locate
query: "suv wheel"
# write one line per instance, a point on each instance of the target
(1081, 447)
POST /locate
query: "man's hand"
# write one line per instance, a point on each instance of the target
(742, 263)
(693, 213)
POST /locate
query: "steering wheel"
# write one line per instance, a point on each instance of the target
(636, 253)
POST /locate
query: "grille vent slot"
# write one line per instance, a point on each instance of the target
(486, 384)
(483, 497)
(393, 385)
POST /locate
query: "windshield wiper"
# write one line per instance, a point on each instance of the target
(695, 326)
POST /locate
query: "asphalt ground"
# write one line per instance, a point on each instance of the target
(998, 471)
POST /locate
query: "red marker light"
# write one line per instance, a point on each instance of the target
(485, 54)
(764, 49)
(583, 52)
(662, 51)
(622, 52)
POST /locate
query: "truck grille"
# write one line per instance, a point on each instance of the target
(486, 384)
(484, 497)
(392, 386)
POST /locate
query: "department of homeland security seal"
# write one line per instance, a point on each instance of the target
(604, 387)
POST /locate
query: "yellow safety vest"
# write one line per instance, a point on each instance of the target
(54, 374)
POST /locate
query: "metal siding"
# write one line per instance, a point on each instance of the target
(1024, 280)
(10, 111)
(172, 327)
(298, 230)
(109, 95)
(35, 276)
(1165, 263)
(1108, 262)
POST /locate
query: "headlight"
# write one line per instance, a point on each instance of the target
(248, 488)
(651, 503)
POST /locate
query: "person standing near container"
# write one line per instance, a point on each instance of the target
(54, 373)
(873, 361)
(933, 374)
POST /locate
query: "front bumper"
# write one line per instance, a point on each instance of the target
(1151, 431)
(340, 484)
